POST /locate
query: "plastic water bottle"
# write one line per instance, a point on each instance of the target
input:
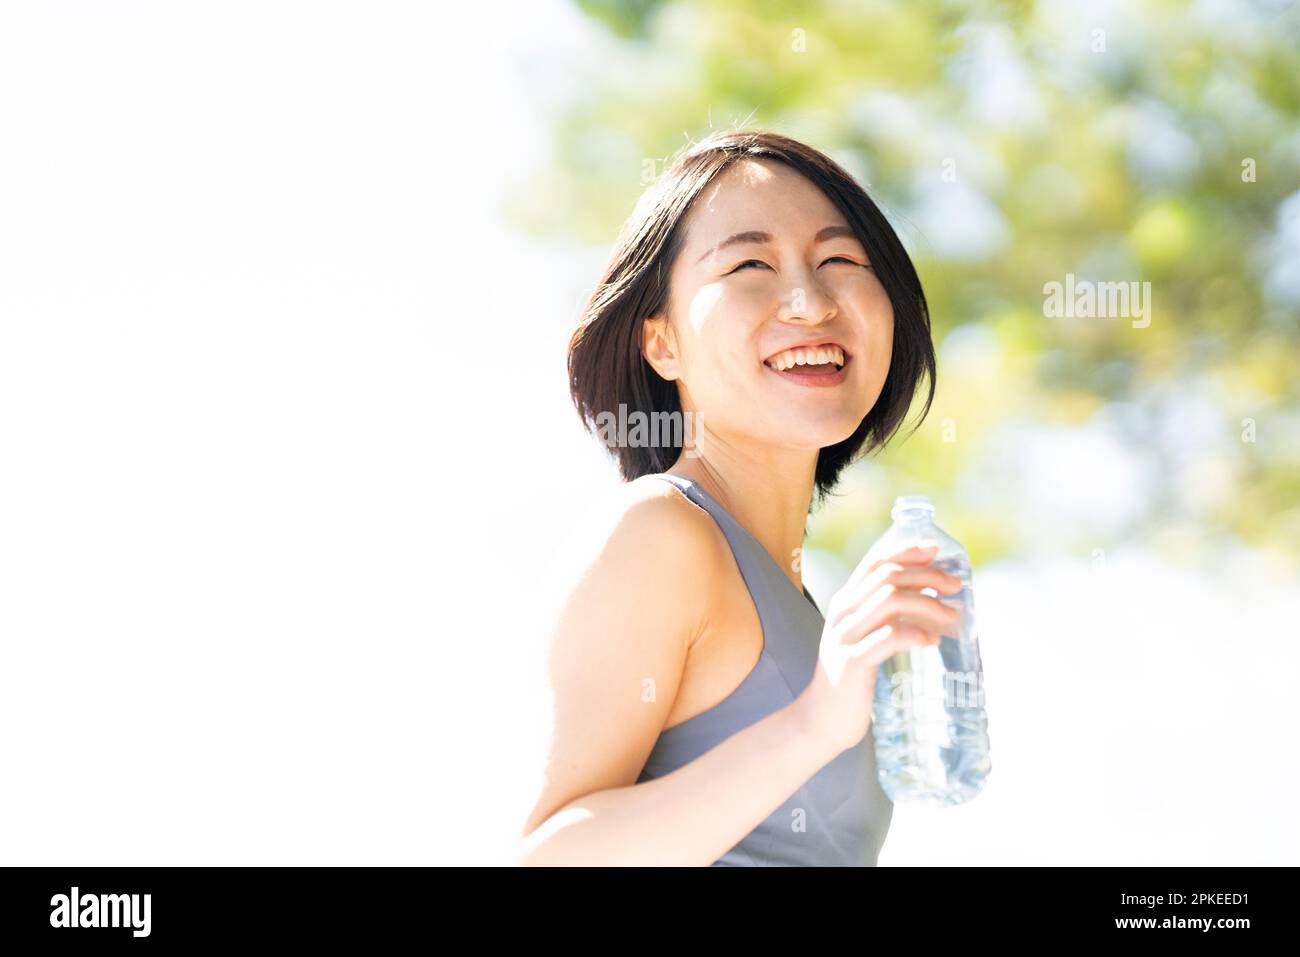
(928, 718)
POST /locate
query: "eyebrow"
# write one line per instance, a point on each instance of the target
(758, 236)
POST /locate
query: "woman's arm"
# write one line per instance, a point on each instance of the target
(626, 622)
(690, 817)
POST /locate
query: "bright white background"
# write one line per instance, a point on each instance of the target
(285, 447)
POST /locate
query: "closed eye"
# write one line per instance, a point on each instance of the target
(759, 262)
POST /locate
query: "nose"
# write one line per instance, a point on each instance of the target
(807, 302)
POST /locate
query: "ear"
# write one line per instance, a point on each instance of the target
(659, 346)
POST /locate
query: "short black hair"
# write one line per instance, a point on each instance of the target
(605, 364)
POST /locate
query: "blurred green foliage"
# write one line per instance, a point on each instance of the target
(1012, 144)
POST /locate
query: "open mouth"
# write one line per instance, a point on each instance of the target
(818, 365)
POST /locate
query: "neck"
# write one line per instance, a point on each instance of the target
(768, 491)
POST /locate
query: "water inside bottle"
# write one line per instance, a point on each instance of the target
(928, 715)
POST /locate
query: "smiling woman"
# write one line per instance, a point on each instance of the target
(706, 712)
(728, 258)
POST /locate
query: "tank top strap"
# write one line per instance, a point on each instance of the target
(785, 610)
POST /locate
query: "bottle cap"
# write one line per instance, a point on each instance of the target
(915, 504)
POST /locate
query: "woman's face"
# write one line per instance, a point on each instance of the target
(738, 300)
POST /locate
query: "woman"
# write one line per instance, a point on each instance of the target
(704, 710)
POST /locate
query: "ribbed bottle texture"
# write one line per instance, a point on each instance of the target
(928, 717)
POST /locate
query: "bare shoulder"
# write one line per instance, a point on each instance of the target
(661, 512)
(649, 530)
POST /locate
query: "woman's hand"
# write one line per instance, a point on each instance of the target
(879, 612)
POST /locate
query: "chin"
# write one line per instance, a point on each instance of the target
(817, 436)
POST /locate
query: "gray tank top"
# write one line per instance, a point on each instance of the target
(837, 818)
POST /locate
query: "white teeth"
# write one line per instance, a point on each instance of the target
(793, 357)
